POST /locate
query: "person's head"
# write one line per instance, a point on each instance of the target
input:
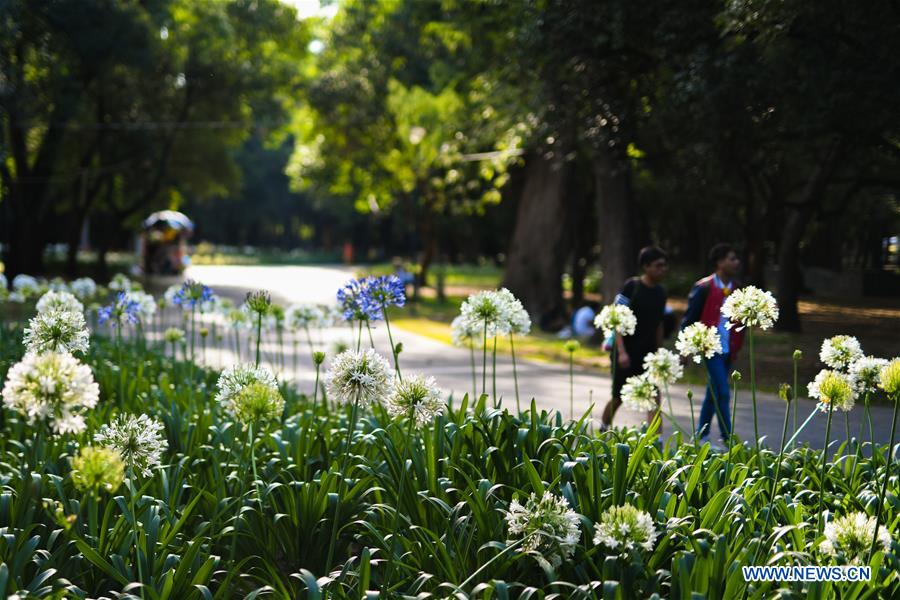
(724, 259)
(653, 263)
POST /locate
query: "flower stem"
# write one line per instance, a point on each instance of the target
(753, 395)
(371, 339)
(787, 413)
(258, 335)
(252, 441)
(887, 475)
(512, 348)
(824, 464)
(494, 371)
(387, 323)
(474, 378)
(484, 361)
(409, 441)
(571, 387)
(341, 484)
(316, 389)
(137, 552)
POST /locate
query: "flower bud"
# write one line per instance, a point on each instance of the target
(798, 354)
(318, 358)
(784, 392)
(735, 375)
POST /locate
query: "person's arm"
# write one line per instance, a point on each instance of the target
(621, 354)
(695, 305)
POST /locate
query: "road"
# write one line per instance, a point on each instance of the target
(548, 384)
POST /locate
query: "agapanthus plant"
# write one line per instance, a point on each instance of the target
(123, 310)
(53, 387)
(235, 378)
(488, 312)
(616, 319)
(849, 538)
(139, 440)
(97, 469)
(639, 393)
(418, 397)
(840, 351)
(544, 526)
(833, 389)
(57, 331)
(26, 286)
(625, 530)
(359, 377)
(84, 288)
(384, 292)
(750, 307)
(698, 341)
(59, 301)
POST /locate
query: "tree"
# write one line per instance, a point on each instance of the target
(137, 119)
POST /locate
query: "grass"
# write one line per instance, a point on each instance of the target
(208, 529)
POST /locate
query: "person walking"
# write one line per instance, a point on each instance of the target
(646, 298)
(705, 305)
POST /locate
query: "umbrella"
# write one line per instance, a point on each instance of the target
(170, 219)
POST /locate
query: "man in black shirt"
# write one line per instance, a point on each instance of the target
(646, 298)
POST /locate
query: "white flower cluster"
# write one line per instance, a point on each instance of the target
(663, 367)
(518, 320)
(56, 331)
(84, 288)
(865, 372)
(61, 301)
(418, 396)
(54, 387)
(616, 319)
(546, 524)
(639, 393)
(851, 537)
(362, 377)
(121, 283)
(305, 316)
(833, 388)
(751, 307)
(235, 378)
(840, 351)
(139, 440)
(494, 313)
(698, 341)
(25, 286)
(463, 332)
(625, 529)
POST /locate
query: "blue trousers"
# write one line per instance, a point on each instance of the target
(717, 368)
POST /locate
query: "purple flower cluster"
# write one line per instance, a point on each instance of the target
(191, 294)
(366, 298)
(122, 310)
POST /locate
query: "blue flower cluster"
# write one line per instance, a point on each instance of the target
(122, 310)
(365, 299)
(191, 294)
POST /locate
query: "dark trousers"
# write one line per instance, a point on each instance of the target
(717, 368)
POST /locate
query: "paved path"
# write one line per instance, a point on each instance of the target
(548, 384)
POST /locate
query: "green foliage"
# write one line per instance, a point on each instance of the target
(461, 473)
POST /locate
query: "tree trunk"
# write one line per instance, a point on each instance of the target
(25, 253)
(798, 216)
(789, 269)
(540, 241)
(615, 215)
